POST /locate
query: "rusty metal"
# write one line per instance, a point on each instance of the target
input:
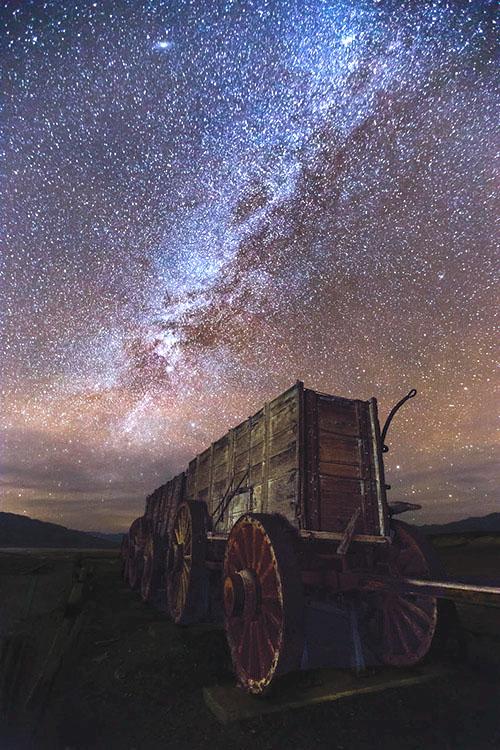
(392, 414)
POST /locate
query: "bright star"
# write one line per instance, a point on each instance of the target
(347, 40)
(164, 44)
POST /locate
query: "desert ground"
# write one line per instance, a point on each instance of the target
(86, 664)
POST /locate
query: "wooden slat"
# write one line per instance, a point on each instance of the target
(350, 471)
(337, 415)
(336, 448)
(282, 462)
(282, 494)
(282, 440)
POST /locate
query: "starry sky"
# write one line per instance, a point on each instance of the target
(206, 201)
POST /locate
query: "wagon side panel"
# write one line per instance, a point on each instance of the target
(259, 458)
(283, 455)
(343, 465)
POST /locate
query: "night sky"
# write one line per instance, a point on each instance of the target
(206, 201)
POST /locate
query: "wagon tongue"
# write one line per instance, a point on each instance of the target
(460, 591)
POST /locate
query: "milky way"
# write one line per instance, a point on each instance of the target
(204, 202)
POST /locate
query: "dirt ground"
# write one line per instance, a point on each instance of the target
(130, 679)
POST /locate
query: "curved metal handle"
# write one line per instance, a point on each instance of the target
(391, 416)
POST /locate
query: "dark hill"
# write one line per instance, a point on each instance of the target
(22, 531)
(484, 524)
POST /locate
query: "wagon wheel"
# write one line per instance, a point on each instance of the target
(187, 578)
(262, 600)
(402, 627)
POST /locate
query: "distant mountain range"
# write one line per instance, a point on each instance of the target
(482, 524)
(22, 531)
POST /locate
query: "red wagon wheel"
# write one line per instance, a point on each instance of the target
(263, 600)
(187, 578)
(402, 627)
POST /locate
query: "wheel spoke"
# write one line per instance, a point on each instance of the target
(268, 570)
(415, 609)
(253, 652)
(402, 635)
(266, 638)
(263, 558)
(413, 623)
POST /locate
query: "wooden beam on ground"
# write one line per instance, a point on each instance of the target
(229, 703)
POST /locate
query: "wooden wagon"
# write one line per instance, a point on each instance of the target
(286, 511)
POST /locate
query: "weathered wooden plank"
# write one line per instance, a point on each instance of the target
(281, 496)
(221, 449)
(339, 500)
(256, 474)
(337, 415)
(219, 471)
(240, 462)
(332, 488)
(258, 428)
(257, 453)
(334, 448)
(241, 443)
(257, 498)
(284, 400)
(241, 430)
(229, 704)
(349, 471)
(282, 462)
(284, 419)
(219, 489)
(282, 440)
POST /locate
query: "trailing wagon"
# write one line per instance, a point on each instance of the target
(286, 512)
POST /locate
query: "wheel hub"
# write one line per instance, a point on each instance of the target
(242, 594)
